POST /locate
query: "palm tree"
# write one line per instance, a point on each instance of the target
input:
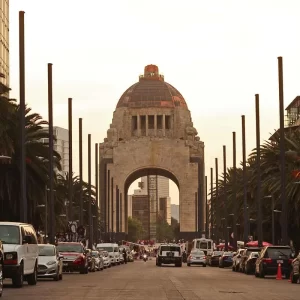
(36, 161)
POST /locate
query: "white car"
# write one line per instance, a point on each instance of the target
(50, 262)
(112, 249)
(20, 252)
(106, 259)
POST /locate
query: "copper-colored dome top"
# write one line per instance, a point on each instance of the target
(151, 91)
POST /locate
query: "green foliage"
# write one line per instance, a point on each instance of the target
(135, 229)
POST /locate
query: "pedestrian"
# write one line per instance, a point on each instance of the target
(125, 255)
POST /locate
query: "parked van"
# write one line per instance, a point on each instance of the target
(20, 252)
(113, 251)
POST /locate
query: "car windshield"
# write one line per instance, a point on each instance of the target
(108, 249)
(46, 250)
(228, 254)
(95, 253)
(275, 253)
(197, 252)
(70, 248)
(10, 234)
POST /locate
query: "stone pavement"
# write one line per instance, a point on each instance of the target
(145, 281)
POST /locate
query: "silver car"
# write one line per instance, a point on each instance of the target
(197, 257)
(99, 265)
(106, 259)
(49, 262)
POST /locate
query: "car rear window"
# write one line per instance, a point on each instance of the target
(275, 253)
(170, 248)
(197, 252)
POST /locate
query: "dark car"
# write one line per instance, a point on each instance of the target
(295, 272)
(269, 259)
(74, 257)
(244, 256)
(169, 254)
(214, 259)
(250, 262)
(225, 260)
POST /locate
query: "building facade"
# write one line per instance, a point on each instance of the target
(4, 45)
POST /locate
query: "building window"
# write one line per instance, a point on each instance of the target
(159, 122)
(150, 122)
(143, 122)
(168, 122)
(134, 124)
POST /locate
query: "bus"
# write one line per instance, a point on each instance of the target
(203, 244)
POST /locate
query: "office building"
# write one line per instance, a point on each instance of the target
(4, 45)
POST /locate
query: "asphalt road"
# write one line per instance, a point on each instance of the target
(145, 281)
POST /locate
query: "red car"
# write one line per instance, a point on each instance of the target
(74, 257)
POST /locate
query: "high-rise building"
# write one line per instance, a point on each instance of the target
(175, 211)
(140, 211)
(4, 45)
(61, 145)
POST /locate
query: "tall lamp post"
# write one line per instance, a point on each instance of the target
(234, 193)
(90, 192)
(217, 205)
(225, 196)
(212, 205)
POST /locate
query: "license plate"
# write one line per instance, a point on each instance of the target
(65, 264)
(198, 257)
(280, 261)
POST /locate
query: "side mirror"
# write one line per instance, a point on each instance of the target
(27, 239)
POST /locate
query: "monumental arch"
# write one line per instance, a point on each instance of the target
(151, 133)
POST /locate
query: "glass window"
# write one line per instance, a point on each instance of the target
(46, 250)
(108, 249)
(10, 234)
(197, 252)
(276, 253)
(70, 248)
(169, 248)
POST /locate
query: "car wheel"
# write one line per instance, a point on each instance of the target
(188, 264)
(204, 265)
(32, 278)
(18, 279)
(56, 277)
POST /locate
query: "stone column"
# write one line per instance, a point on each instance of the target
(155, 125)
(138, 125)
(164, 124)
(147, 126)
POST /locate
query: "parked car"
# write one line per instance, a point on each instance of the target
(20, 252)
(106, 259)
(236, 260)
(295, 272)
(269, 259)
(1, 268)
(214, 258)
(99, 265)
(74, 257)
(112, 249)
(197, 257)
(91, 260)
(250, 262)
(244, 256)
(225, 260)
(50, 262)
(169, 254)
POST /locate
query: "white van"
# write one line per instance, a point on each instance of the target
(113, 251)
(20, 252)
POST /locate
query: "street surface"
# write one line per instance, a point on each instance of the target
(145, 281)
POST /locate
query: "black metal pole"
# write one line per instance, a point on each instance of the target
(284, 229)
(212, 204)
(246, 217)
(97, 190)
(206, 210)
(258, 173)
(23, 193)
(234, 192)
(70, 160)
(217, 204)
(81, 213)
(90, 192)
(100, 206)
(117, 209)
(51, 165)
(273, 222)
(225, 196)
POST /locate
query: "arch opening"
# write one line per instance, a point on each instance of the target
(152, 201)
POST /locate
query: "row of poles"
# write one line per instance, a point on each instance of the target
(215, 213)
(23, 192)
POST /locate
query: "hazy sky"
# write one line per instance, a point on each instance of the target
(218, 54)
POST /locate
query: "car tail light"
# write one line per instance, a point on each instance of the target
(290, 260)
(204, 257)
(79, 260)
(267, 260)
(10, 258)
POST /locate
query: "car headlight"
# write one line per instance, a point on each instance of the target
(52, 262)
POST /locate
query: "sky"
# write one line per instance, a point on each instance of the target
(218, 54)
